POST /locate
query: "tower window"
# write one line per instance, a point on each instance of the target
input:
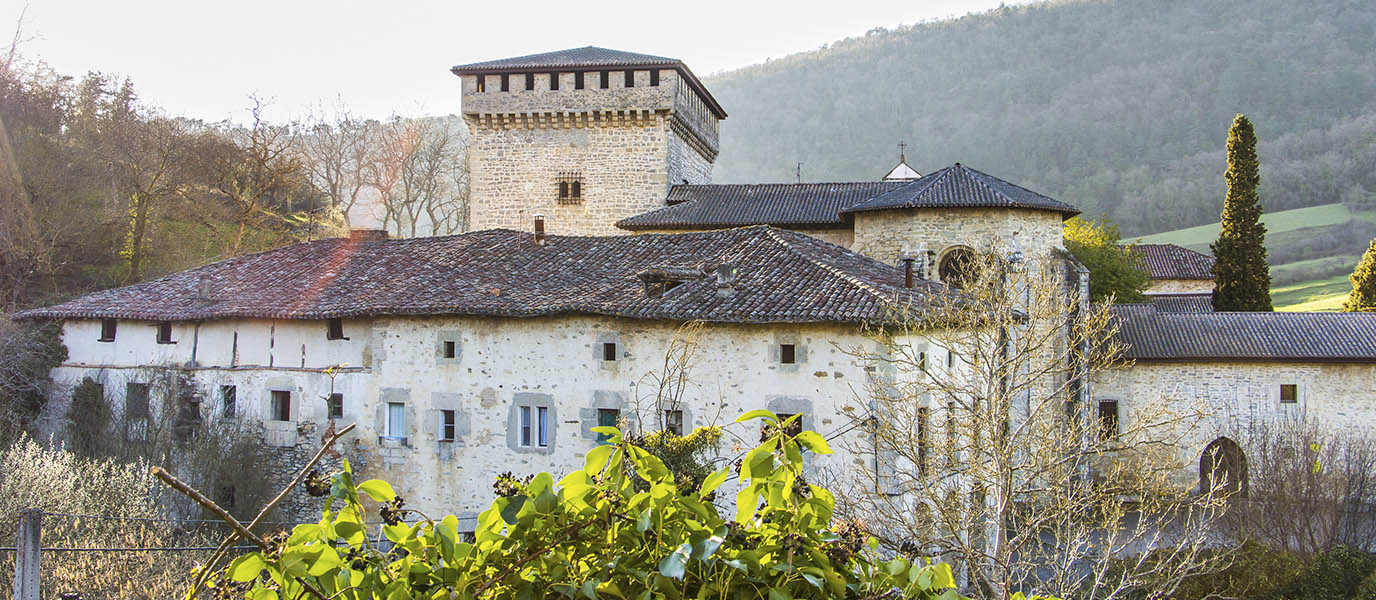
(605, 77)
(449, 349)
(335, 406)
(107, 330)
(481, 84)
(630, 78)
(506, 82)
(165, 333)
(1108, 419)
(1289, 393)
(570, 185)
(654, 77)
(281, 405)
(530, 81)
(609, 351)
(553, 81)
(446, 425)
(578, 80)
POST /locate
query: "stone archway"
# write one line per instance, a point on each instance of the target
(954, 267)
(1223, 463)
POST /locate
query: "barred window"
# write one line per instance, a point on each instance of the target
(570, 185)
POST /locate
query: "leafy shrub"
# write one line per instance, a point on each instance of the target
(594, 534)
(1334, 574)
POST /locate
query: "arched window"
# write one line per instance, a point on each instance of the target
(1224, 465)
(954, 268)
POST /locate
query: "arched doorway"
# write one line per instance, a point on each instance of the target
(1223, 464)
(955, 266)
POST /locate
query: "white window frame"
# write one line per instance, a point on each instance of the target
(524, 427)
(542, 423)
(396, 420)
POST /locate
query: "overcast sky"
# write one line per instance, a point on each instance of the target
(202, 58)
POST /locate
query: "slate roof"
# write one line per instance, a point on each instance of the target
(715, 206)
(826, 205)
(588, 58)
(1182, 303)
(1169, 261)
(783, 276)
(1322, 337)
(959, 186)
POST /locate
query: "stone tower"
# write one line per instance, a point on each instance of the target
(585, 137)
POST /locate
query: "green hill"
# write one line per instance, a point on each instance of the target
(1118, 107)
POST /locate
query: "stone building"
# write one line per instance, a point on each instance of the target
(596, 234)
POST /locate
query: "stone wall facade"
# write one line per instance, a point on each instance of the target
(1179, 286)
(883, 235)
(625, 146)
(498, 366)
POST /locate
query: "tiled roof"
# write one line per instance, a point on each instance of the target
(1261, 336)
(1169, 261)
(783, 276)
(1182, 303)
(589, 58)
(959, 186)
(585, 57)
(734, 205)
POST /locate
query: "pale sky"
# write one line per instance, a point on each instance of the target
(202, 58)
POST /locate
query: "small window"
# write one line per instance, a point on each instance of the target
(794, 428)
(673, 422)
(447, 419)
(224, 496)
(542, 424)
(506, 82)
(1108, 419)
(922, 361)
(530, 81)
(136, 401)
(606, 417)
(449, 348)
(609, 351)
(630, 79)
(334, 406)
(281, 405)
(525, 426)
(107, 329)
(1289, 393)
(788, 354)
(563, 190)
(605, 77)
(570, 186)
(396, 420)
(165, 333)
(481, 83)
(578, 80)
(654, 77)
(950, 360)
(924, 441)
(229, 400)
(334, 329)
(575, 189)
(553, 81)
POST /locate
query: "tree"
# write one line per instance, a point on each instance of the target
(1363, 296)
(1115, 272)
(420, 177)
(983, 447)
(256, 176)
(335, 154)
(1242, 275)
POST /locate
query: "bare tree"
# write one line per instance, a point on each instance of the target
(421, 177)
(262, 168)
(335, 154)
(984, 451)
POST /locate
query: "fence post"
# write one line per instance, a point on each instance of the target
(26, 580)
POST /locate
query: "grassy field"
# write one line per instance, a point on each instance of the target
(1199, 238)
(1317, 295)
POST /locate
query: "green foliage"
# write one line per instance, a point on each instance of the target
(1129, 129)
(688, 457)
(1363, 297)
(88, 419)
(1242, 275)
(1334, 574)
(1114, 271)
(1367, 590)
(1256, 572)
(594, 534)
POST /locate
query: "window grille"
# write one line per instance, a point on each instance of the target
(570, 186)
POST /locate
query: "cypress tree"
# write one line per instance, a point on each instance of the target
(1243, 279)
(1363, 297)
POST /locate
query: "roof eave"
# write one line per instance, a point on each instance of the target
(682, 69)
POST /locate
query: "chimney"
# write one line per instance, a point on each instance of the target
(539, 229)
(367, 235)
(908, 271)
(203, 288)
(726, 280)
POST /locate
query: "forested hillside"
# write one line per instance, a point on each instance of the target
(1120, 107)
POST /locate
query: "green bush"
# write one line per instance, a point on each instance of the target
(1334, 574)
(596, 534)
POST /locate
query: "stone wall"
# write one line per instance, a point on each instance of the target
(1179, 286)
(1240, 395)
(882, 235)
(500, 364)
